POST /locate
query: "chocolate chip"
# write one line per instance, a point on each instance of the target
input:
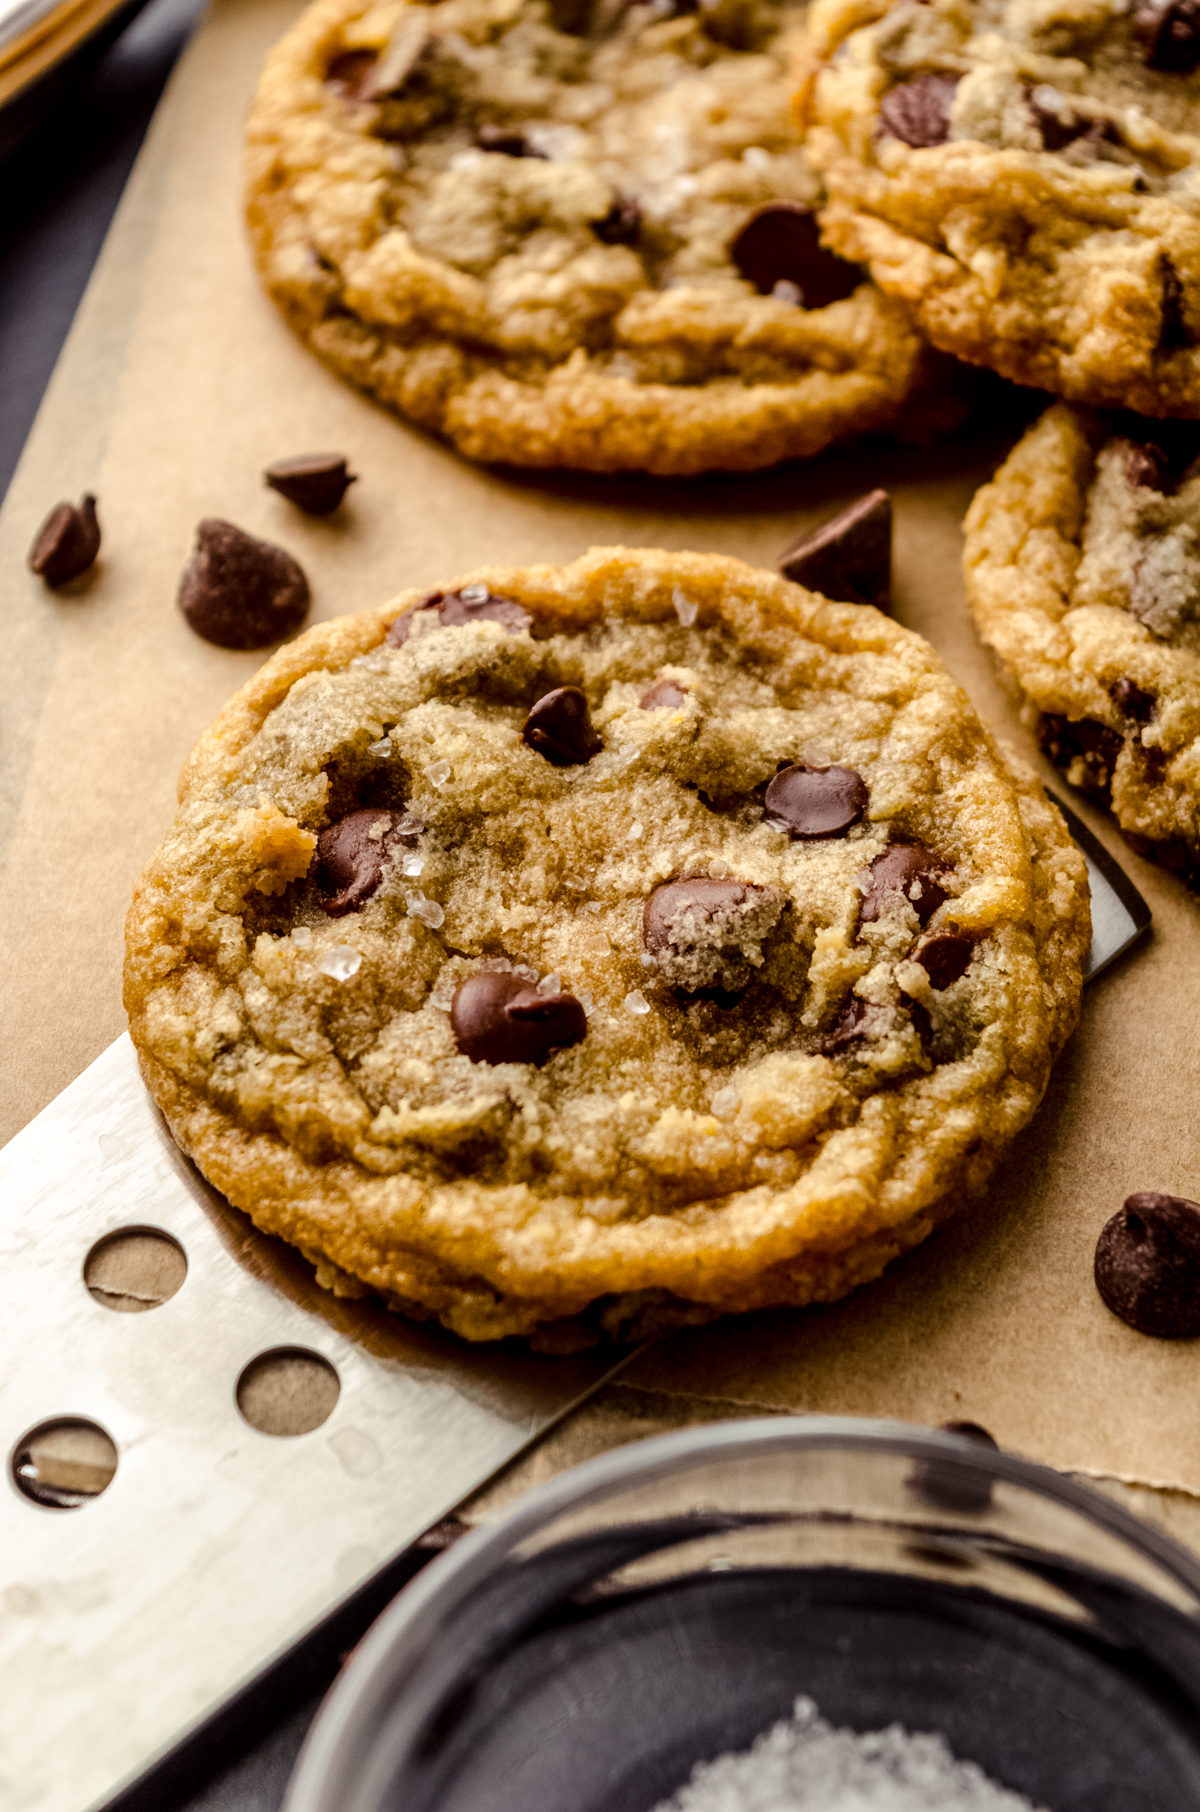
(1143, 464)
(506, 141)
(662, 692)
(351, 74)
(1060, 125)
(1147, 1266)
(1174, 334)
(1132, 702)
(1171, 853)
(817, 802)
(314, 482)
(560, 728)
(498, 1019)
(858, 1020)
(67, 542)
(1085, 750)
(622, 225)
(850, 556)
(1172, 445)
(918, 112)
(949, 1487)
(351, 855)
(240, 592)
(1169, 34)
(706, 933)
(945, 957)
(910, 871)
(781, 243)
(473, 604)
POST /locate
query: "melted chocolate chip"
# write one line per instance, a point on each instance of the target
(857, 1021)
(506, 141)
(1171, 853)
(1132, 702)
(848, 558)
(1174, 334)
(918, 112)
(622, 225)
(314, 482)
(945, 957)
(240, 592)
(817, 802)
(1060, 125)
(947, 1486)
(1086, 747)
(1169, 34)
(1148, 1265)
(351, 74)
(705, 895)
(474, 604)
(910, 871)
(663, 692)
(67, 542)
(560, 728)
(351, 855)
(781, 243)
(498, 1019)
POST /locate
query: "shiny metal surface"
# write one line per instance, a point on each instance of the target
(126, 1620)
(1120, 916)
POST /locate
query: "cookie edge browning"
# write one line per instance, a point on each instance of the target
(955, 307)
(504, 1293)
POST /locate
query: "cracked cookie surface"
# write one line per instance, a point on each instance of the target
(1082, 563)
(539, 230)
(718, 998)
(1026, 173)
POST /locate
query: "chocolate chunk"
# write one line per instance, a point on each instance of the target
(858, 1020)
(314, 482)
(781, 243)
(351, 855)
(67, 542)
(473, 604)
(662, 692)
(1147, 1266)
(945, 957)
(1174, 334)
(1169, 34)
(1060, 125)
(910, 871)
(506, 141)
(622, 225)
(560, 728)
(498, 1019)
(850, 556)
(351, 74)
(1085, 750)
(1132, 702)
(817, 802)
(240, 592)
(918, 112)
(949, 1487)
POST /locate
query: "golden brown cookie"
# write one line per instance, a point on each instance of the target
(583, 949)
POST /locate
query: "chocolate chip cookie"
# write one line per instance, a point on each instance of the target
(1026, 177)
(579, 950)
(570, 233)
(1082, 563)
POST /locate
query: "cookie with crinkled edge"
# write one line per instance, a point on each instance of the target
(513, 224)
(1026, 177)
(713, 987)
(1082, 563)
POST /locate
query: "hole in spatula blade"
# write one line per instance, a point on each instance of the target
(288, 1391)
(63, 1463)
(135, 1269)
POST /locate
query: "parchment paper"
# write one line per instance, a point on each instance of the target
(179, 383)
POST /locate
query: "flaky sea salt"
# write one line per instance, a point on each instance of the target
(428, 911)
(805, 1764)
(381, 749)
(412, 865)
(787, 291)
(474, 594)
(586, 1002)
(525, 972)
(725, 1103)
(341, 962)
(636, 1001)
(302, 937)
(635, 830)
(718, 869)
(756, 158)
(686, 609)
(576, 883)
(440, 772)
(550, 984)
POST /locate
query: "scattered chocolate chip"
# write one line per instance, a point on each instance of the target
(351, 855)
(1169, 34)
(850, 556)
(947, 1486)
(1085, 750)
(1132, 702)
(858, 1020)
(1174, 334)
(506, 141)
(240, 592)
(662, 692)
(622, 225)
(945, 957)
(67, 542)
(351, 74)
(473, 604)
(1060, 125)
(498, 1019)
(913, 872)
(781, 243)
(817, 802)
(1147, 1266)
(314, 482)
(560, 728)
(918, 112)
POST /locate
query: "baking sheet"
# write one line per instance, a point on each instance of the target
(178, 384)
